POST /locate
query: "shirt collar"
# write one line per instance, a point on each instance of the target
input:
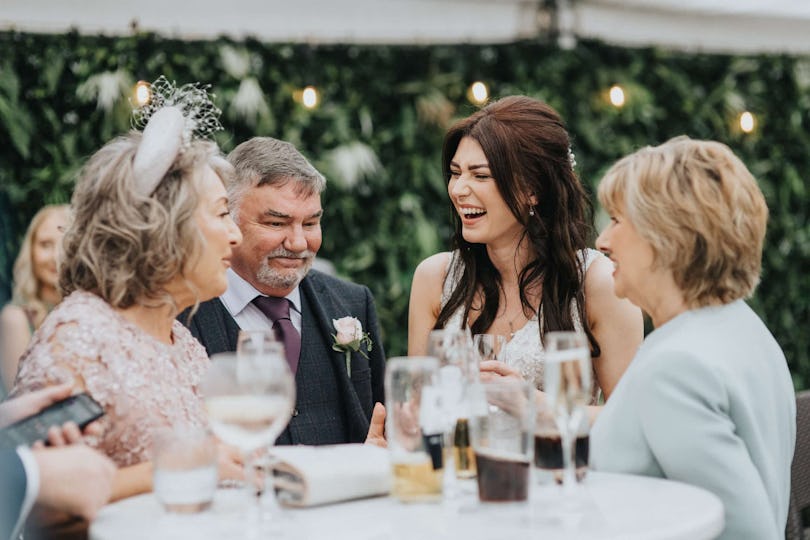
(240, 293)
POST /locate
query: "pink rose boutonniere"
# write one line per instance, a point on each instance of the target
(350, 337)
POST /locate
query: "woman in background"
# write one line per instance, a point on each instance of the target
(150, 236)
(708, 399)
(520, 264)
(35, 291)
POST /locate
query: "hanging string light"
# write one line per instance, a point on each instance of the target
(309, 97)
(616, 95)
(143, 93)
(478, 93)
(747, 122)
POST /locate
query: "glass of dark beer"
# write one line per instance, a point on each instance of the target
(548, 447)
(503, 443)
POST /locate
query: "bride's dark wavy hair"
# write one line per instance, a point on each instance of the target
(528, 149)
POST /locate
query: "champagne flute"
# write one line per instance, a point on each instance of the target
(249, 399)
(567, 385)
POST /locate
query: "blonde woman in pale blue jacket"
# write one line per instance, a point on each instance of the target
(708, 399)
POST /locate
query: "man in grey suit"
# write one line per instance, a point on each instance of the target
(275, 199)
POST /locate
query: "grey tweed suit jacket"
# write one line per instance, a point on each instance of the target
(12, 491)
(331, 406)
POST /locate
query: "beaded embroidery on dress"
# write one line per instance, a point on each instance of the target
(524, 351)
(142, 384)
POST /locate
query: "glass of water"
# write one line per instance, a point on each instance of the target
(185, 468)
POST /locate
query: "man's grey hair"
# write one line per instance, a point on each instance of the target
(267, 161)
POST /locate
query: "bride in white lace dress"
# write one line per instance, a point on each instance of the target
(520, 265)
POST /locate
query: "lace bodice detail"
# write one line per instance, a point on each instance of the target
(524, 351)
(142, 384)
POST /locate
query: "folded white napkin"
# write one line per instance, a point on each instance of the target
(313, 475)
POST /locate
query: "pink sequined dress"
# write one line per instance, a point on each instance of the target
(142, 384)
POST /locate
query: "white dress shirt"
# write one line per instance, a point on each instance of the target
(238, 300)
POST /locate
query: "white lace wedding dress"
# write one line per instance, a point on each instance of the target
(524, 351)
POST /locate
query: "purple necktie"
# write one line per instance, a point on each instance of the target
(278, 311)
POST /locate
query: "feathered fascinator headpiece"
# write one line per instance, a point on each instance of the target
(170, 120)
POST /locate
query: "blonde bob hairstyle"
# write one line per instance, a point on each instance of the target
(124, 246)
(700, 209)
(27, 291)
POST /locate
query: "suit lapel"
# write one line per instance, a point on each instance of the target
(318, 309)
(229, 324)
(213, 327)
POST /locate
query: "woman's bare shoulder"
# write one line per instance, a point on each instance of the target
(435, 264)
(599, 277)
(13, 316)
(428, 279)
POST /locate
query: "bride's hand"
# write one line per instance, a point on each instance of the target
(493, 370)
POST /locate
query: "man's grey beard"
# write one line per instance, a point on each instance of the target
(277, 280)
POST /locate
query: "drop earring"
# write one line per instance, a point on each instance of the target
(531, 210)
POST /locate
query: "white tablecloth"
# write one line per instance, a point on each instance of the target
(609, 507)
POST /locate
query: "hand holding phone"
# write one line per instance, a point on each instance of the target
(79, 408)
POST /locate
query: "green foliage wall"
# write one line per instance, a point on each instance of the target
(397, 101)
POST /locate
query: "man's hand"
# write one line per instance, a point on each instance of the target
(31, 403)
(74, 479)
(376, 430)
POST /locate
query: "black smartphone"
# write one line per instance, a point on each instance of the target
(79, 408)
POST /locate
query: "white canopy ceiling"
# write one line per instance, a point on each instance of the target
(319, 21)
(709, 25)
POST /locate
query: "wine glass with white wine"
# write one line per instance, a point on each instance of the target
(568, 388)
(249, 399)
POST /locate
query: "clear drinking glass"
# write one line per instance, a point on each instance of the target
(548, 447)
(568, 386)
(457, 369)
(502, 441)
(452, 348)
(414, 438)
(249, 399)
(185, 468)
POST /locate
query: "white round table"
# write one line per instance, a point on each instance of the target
(609, 507)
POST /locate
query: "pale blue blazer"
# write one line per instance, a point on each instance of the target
(708, 400)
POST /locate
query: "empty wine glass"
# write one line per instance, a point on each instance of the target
(488, 346)
(567, 385)
(249, 399)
